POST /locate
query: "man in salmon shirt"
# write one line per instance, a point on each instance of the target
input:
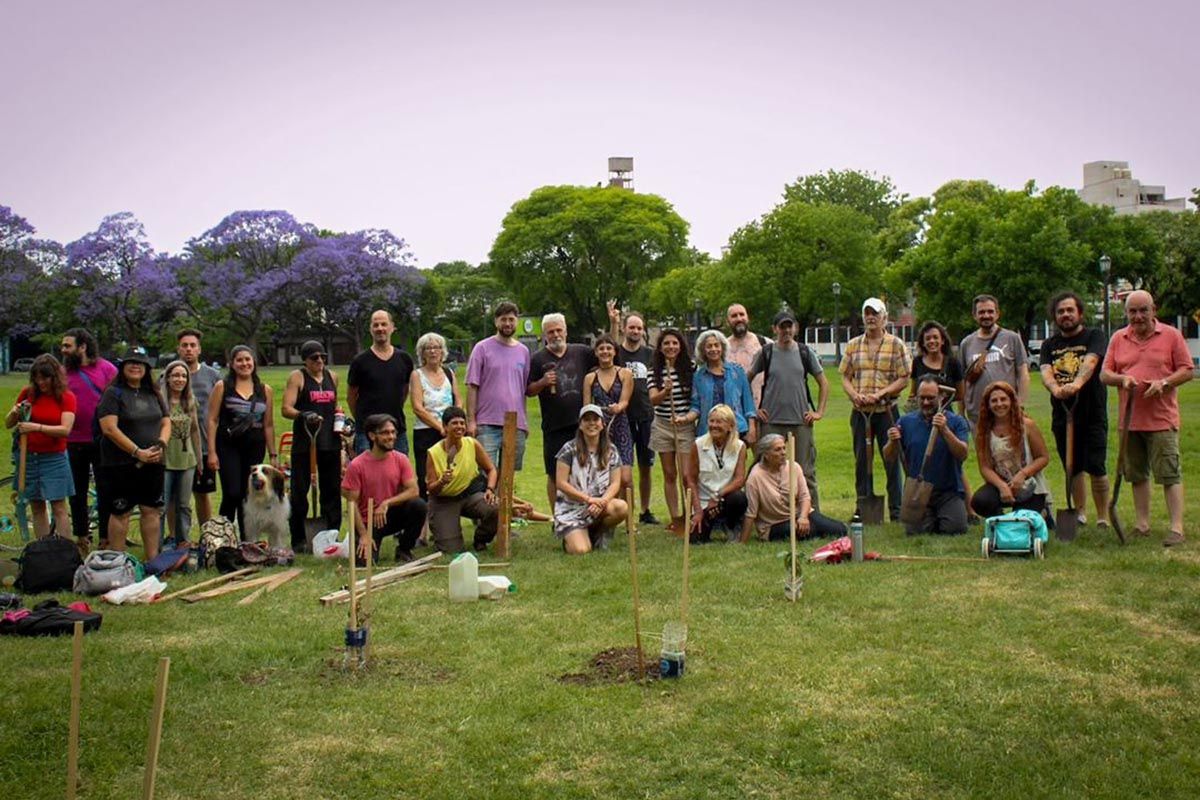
(1151, 360)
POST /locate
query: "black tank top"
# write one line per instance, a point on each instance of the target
(321, 398)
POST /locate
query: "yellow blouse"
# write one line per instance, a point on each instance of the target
(465, 466)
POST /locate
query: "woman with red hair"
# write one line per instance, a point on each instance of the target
(1012, 455)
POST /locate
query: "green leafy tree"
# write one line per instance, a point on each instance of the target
(459, 300)
(572, 248)
(874, 196)
(794, 254)
(1173, 279)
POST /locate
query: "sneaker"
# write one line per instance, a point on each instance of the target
(1081, 519)
(1173, 538)
(647, 518)
(1101, 524)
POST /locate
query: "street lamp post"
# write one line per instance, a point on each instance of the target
(696, 306)
(1105, 268)
(837, 338)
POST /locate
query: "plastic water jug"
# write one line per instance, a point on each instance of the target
(464, 578)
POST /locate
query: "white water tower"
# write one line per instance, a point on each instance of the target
(620, 172)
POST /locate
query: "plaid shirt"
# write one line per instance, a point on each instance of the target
(871, 373)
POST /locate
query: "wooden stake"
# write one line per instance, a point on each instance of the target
(226, 578)
(352, 508)
(230, 588)
(508, 462)
(631, 531)
(791, 472)
(73, 725)
(156, 726)
(482, 565)
(385, 578)
(270, 586)
(687, 555)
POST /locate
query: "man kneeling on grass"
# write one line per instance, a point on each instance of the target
(767, 498)
(588, 481)
(384, 475)
(947, 510)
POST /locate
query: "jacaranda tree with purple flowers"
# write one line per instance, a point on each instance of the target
(343, 278)
(115, 285)
(240, 275)
(26, 264)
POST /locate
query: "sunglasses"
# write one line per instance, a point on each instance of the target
(317, 357)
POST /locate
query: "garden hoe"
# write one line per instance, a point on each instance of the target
(1112, 504)
(1066, 522)
(870, 507)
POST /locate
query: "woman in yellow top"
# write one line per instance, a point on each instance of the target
(461, 480)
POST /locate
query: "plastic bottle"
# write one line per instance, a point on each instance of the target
(464, 578)
(856, 537)
(339, 420)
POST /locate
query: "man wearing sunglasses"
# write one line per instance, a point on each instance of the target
(310, 399)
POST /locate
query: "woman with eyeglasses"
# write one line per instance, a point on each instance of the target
(433, 389)
(309, 400)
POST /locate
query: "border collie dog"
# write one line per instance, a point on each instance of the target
(267, 507)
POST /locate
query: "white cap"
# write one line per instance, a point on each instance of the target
(591, 408)
(876, 304)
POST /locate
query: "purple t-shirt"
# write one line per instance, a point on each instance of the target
(501, 373)
(87, 398)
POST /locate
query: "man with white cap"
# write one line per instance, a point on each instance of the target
(991, 354)
(875, 368)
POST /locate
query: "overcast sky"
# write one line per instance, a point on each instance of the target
(432, 119)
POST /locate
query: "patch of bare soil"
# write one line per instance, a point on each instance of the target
(339, 668)
(614, 665)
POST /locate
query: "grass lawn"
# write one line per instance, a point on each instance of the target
(1076, 676)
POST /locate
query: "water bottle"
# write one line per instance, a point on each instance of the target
(339, 420)
(856, 537)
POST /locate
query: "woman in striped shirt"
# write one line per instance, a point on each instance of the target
(674, 427)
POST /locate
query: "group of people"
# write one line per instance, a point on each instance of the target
(162, 446)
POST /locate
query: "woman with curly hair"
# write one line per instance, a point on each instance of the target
(1012, 455)
(44, 412)
(674, 427)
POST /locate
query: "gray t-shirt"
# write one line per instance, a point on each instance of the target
(785, 395)
(203, 381)
(1005, 354)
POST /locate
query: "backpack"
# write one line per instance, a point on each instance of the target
(48, 565)
(49, 618)
(806, 358)
(246, 554)
(105, 570)
(218, 532)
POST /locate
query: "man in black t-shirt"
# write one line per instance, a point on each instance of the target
(635, 354)
(378, 382)
(556, 379)
(1071, 362)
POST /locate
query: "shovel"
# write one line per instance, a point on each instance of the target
(918, 491)
(1112, 504)
(870, 508)
(315, 523)
(1066, 522)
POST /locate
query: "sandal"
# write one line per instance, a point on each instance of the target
(1142, 532)
(1173, 538)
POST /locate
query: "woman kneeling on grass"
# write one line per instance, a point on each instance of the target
(1012, 455)
(461, 481)
(588, 479)
(767, 496)
(51, 414)
(716, 475)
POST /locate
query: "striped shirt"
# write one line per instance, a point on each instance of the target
(680, 402)
(871, 368)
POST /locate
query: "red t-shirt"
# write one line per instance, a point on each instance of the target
(1150, 360)
(48, 411)
(377, 479)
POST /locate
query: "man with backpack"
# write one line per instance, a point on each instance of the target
(786, 406)
(88, 374)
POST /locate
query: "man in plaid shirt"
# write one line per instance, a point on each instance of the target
(875, 368)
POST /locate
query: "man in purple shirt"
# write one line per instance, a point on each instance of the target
(497, 374)
(87, 376)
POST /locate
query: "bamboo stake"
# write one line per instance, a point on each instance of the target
(631, 530)
(229, 576)
(791, 472)
(491, 564)
(387, 577)
(931, 558)
(229, 588)
(270, 586)
(508, 461)
(156, 726)
(687, 555)
(365, 615)
(352, 508)
(73, 725)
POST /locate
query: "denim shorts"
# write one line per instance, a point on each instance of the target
(491, 436)
(48, 476)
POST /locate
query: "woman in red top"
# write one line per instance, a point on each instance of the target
(50, 407)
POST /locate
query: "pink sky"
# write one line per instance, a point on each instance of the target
(433, 119)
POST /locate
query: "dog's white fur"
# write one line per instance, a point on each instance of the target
(267, 507)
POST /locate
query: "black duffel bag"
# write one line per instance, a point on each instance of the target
(48, 618)
(48, 565)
